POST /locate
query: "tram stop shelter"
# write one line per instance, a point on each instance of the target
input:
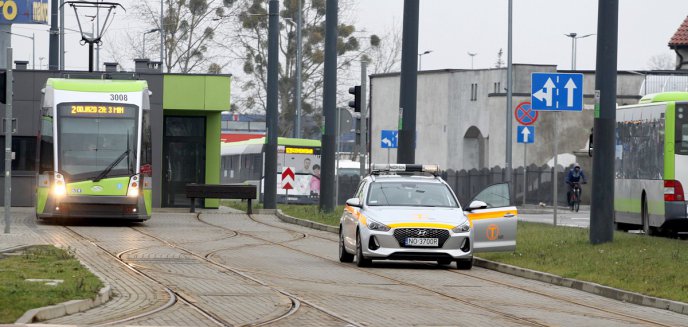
(185, 125)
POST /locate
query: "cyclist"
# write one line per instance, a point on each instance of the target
(574, 176)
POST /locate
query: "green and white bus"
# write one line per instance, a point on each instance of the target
(94, 150)
(652, 164)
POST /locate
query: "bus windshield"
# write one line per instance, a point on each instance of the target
(96, 140)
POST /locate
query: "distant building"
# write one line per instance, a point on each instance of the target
(461, 114)
(679, 43)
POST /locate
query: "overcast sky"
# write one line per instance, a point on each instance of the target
(451, 28)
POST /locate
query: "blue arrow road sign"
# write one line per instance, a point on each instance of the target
(556, 92)
(525, 134)
(389, 139)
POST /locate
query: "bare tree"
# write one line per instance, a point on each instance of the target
(249, 42)
(189, 27)
(385, 54)
(500, 62)
(664, 61)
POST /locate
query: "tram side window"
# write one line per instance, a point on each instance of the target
(46, 152)
(24, 148)
(146, 148)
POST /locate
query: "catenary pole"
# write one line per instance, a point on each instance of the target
(270, 200)
(364, 121)
(8, 142)
(602, 206)
(327, 186)
(509, 95)
(62, 36)
(54, 55)
(406, 152)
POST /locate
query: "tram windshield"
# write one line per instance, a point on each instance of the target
(97, 140)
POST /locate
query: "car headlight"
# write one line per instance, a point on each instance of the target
(462, 228)
(376, 226)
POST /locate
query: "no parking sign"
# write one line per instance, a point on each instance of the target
(524, 114)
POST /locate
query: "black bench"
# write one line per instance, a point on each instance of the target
(218, 191)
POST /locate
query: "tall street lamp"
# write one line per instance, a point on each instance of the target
(472, 54)
(574, 43)
(33, 46)
(420, 58)
(143, 52)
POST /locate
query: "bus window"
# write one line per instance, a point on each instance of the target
(682, 128)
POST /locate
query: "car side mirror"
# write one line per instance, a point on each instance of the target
(475, 205)
(354, 202)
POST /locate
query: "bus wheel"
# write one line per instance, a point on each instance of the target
(647, 229)
(621, 227)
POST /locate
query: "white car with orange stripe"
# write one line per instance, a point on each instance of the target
(401, 217)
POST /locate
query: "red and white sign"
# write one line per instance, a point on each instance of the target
(524, 114)
(288, 178)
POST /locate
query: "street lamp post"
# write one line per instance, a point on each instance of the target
(33, 46)
(574, 46)
(143, 50)
(472, 54)
(420, 58)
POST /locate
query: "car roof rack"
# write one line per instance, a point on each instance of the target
(399, 169)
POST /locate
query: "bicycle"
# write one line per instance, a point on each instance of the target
(574, 198)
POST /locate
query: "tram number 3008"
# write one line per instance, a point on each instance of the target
(118, 97)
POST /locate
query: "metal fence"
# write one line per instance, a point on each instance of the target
(467, 184)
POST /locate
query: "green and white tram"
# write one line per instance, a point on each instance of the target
(652, 164)
(95, 150)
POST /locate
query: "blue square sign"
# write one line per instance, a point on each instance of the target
(389, 139)
(525, 134)
(556, 92)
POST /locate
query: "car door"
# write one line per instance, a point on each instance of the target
(350, 218)
(494, 226)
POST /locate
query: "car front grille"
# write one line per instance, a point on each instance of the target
(401, 234)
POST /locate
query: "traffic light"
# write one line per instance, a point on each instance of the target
(356, 103)
(3, 86)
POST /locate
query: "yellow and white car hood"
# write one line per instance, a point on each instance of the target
(416, 217)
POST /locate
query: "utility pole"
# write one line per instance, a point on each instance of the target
(162, 37)
(406, 153)
(62, 36)
(54, 55)
(270, 199)
(327, 180)
(509, 95)
(8, 141)
(364, 119)
(602, 206)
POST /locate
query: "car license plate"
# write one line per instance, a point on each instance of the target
(414, 241)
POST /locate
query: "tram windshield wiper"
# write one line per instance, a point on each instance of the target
(107, 169)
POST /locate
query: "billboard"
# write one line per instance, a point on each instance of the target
(24, 12)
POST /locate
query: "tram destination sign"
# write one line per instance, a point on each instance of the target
(98, 109)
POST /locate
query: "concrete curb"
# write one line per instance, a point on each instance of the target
(589, 287)
(65, 308)
(593, 288)
(306, 223)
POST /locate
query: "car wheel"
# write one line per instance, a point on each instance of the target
(343, 255)
(361, 261)
(464, 264)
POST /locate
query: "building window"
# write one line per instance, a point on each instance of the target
(497, 87)
(24, 148)
(474, 92)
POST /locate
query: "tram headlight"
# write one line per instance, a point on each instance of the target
(59, 188)
(133, 190)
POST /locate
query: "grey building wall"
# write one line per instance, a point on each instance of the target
(459, 131)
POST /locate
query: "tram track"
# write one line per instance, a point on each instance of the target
(509, 285)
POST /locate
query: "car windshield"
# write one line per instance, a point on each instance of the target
(411, 194)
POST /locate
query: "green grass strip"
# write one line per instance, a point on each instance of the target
(654, 266)
(42, 262)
